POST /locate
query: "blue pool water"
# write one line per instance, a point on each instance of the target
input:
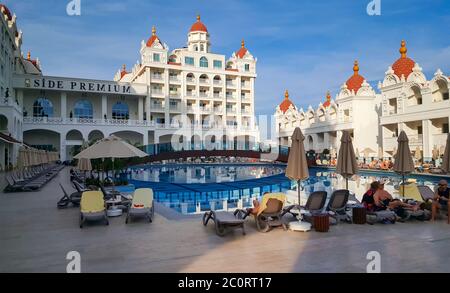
(191, 188)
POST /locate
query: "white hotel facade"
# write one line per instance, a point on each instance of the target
(407, 101)
(187, 96)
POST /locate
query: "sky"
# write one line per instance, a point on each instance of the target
(305, 46)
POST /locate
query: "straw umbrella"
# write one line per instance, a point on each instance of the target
(346, 163)
(446, 160)
(23, 157)
(403, 164)
(297, 167)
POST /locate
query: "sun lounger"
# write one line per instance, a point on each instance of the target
(337, 205)
(315, 204)
(223, 221)
(92, 207)
(142, 205)
(67, 199)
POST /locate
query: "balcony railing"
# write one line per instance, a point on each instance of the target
(191, 95)
(174, 108)
(157, 92)
(85, 121)
(205, 109)
(231, 84)
(218, 110)
(157, 77)
(174, 79)
(157, 108)
(190, 80)
(231, 111)
(203, 95)
(231, 97)
(174, 95)
(204, 81)
(217, 82)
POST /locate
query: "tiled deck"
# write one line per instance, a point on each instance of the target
(35, 237)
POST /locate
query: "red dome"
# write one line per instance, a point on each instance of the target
(284, 106)
(404, 65)
(198, 26)
(355, 81)
(153, 38)
(242, 51)
(328, 101)
(7, 12)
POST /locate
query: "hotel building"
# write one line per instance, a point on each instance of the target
(407, 101)
(189, 96)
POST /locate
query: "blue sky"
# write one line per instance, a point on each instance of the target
(306, 46)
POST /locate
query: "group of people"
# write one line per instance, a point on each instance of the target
(378, 199)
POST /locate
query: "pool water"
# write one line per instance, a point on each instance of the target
(204, 173)
(193, 188)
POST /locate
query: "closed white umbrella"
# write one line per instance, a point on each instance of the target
(23, 159)
(446, 160)
(403, 164)
(84, 164)
(346, 162)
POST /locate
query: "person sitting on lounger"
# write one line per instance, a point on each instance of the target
(383, 200)
(368, 200)
(441, 198)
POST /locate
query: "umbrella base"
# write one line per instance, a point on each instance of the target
(300, 226)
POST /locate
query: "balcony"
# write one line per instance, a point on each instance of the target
(190, 80)
(217, 83)
(205, 109)
(231, 84)
(84, 121)
(218, 110)
(231, 111)
(205, 95)
(218, 96)
(157, 93)
(190, 109)
(175, 95)
(231, 97)
(157, 107)
(157, 77)
(175, 108)
(191, 95)
(174, 78)
(204, 81)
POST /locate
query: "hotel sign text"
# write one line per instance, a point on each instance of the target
(79, 85)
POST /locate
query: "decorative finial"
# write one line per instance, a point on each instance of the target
(403, 49)
(198, 17)
(328, 96)
(29, 55)
(355, 67)
(243, 43)
(153, 31)
(286, 94)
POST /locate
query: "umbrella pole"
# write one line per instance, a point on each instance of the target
(346, 183)
(114, 174)
(403, 189)
(298, 189)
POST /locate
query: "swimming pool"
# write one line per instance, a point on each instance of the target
(174, 186)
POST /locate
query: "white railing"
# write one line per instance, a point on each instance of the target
(204, 81)
(218, 110)
(217, 82)
(190, 108)
(218, 96)
(85, 121)
(202, 95)
(191, 80)
(157, 107)
(231, 97)
(191, 95)
(157, 92)
(205, 109)
(231, 110)
(157, 77)
(174, 95)
(174, 78)
(174, 108)
(230, 83)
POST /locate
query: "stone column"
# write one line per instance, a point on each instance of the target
(427, 139)
(62, 147)
(141, 108)
(63, 105)
(104, 106)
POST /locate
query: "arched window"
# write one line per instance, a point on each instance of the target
(83, 109)
(120, 111)
(203, 62)
(42, 107)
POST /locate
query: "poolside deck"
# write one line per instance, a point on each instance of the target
(35, 237)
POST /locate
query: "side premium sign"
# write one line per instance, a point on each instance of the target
(78, 85)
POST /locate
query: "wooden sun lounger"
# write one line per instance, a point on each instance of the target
(222, 221)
